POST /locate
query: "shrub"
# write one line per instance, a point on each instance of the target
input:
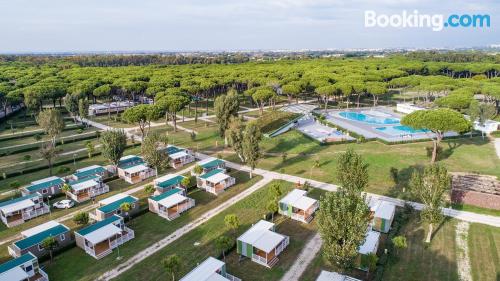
(27, 157)
(81, 218)
(37, 137)
(63, 169)
(14, 184)
(79, 131)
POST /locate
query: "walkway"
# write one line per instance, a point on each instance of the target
(140, 256)
(497, 146)
(306, 256)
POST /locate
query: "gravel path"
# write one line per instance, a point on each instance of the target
(304, 259)
(497, 146)
(463, 259)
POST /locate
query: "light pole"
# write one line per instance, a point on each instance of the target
(48, 203)
(74, 159)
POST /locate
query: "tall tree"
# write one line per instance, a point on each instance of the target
(234, 135)
(429, 187)
(223, 243)
(142, 115)
(251, 148)
(232, 222)
(49, 152)
(172, 265)
(226, 107)
(262, 96)
(481, 112)
(71, 105)
(83, 108)
(171, 104)
(342, 222)
(439, 121)
(52, 123)
(153, 153)
(113, 143)
(352, 173)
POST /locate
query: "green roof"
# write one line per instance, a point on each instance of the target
(130, 162)
(97, 225)
(39, 237)
(16, 262)
(211, 173)
(46, 184)
(116, 205)
(211, 164)
(166, 194)
(90, 172)
(173, 149)
(173, 181)
(19, 199)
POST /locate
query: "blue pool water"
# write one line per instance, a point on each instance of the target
(361, 117)
(399, 130)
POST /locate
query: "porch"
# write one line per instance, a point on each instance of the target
(175, 211)
(271, 258)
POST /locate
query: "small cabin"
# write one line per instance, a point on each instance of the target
(167, 182)
(46, 187)
(296, 205)
(383, 215)
(112, 206)
(370, 246)
(209, 164)
(133, 169)
(86, 188)
(16, 211)
(32, 239)
(179, 156)
(211, 269)
(171, 204)
(262, 244)
(215, 181)
(91, 171)
(99, 239)
(23, 268)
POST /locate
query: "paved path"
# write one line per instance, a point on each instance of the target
(497, 146)
(181, 231)
(304, 259)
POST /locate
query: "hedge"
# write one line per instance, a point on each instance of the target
(35, 146)
(68, 161)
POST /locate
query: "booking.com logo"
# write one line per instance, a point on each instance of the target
(436, 21)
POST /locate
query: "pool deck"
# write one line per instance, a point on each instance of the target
(368, 130)
(321, 132)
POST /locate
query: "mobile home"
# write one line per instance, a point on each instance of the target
(334, 276)
(48, 186)
(167, 182)
(170, 204)
(91, 171)
(17, 211)
(87, 188)
(298, 206)
(179, 156)
(370, 246)
(211, 269)
(383, 216)
(99, 239)
(112, 205)
(32, 239)
(215, 181)
(262, 244)
(133, 169)
(209, 164)
(22, 268)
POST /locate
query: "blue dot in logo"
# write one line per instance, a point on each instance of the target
(445, 24)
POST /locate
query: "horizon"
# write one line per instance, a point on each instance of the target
(52, 26)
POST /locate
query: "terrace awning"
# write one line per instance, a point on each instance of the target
(17, 206)
(103, 233)
(172, 200)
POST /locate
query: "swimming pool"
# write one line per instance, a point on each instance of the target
(361, 117)
(399, 130)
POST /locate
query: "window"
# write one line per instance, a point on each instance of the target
(40, 248)
(62, 237)
(28, 268)
(45, 191)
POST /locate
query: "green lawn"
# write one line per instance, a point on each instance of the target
(31, 139)
(484, 252)
(149, 228)
(115, 121)
(197, 245)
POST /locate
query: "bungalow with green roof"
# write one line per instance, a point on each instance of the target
(170, 204)
(215, 181)
(23, 268)
(48, 186)
(91, 171)
(87, 188)
(167, 182)
(16, 211)
(133, 169)
(99, 239)
(112, 205)
(209, 164)
(179, 156)
(32, 239)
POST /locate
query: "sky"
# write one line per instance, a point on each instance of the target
(229, 25)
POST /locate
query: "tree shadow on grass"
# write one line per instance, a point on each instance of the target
(401, 179)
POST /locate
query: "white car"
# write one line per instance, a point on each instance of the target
(64, 204)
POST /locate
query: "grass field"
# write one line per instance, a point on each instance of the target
(484, 252)
(249, 210)
(115, 121)
(149, 228)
